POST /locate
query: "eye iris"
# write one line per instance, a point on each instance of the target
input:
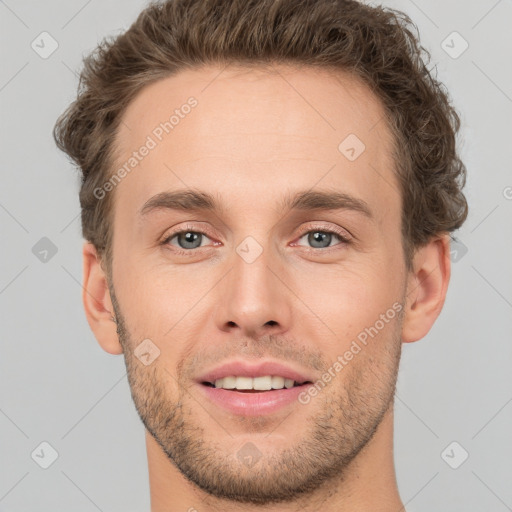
(189, 237)
(319, 237)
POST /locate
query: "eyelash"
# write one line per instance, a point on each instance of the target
(182, 252)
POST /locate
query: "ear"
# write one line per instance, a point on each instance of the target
(97, 302)
(426, 288)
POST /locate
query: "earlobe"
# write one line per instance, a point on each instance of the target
(427, 287)
(97, 302)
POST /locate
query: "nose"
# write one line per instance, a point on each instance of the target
(255, 298)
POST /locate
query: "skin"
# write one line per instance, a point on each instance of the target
(255, 136)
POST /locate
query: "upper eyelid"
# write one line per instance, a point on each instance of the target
(313, 225)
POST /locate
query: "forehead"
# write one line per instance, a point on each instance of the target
(250, 133)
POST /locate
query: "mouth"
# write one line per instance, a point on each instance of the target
(253, 388)
(254, 394)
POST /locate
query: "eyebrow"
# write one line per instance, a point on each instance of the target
(306, 200)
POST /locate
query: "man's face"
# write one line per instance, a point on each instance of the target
(257, 282)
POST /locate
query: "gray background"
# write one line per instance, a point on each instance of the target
(56, 383)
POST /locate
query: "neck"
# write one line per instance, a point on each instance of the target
(368, 484)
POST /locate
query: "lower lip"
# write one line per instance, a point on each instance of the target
(253, 404)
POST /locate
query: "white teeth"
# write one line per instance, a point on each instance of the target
(227, 383)
(264, 383)
(243, 383)
(277, 382)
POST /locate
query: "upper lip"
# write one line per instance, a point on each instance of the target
(250, 369)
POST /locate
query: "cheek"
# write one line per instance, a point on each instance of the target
(147, 301)
(168, 306)
(349, 299)
(160, 303)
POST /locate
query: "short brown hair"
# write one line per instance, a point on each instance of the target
(375, 44)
